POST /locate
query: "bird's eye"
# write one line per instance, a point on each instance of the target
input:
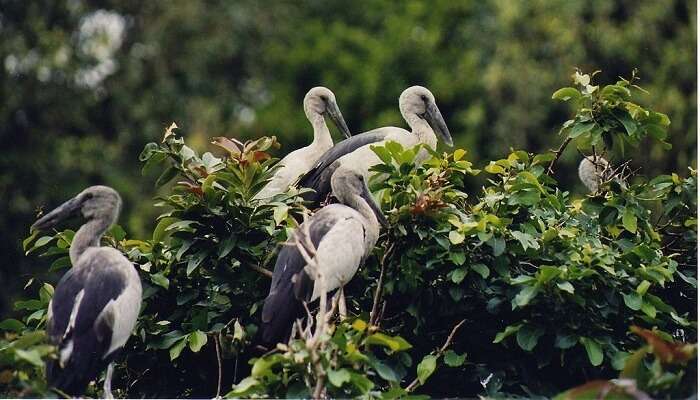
(423, 97)
(89, 196)
(324, 97)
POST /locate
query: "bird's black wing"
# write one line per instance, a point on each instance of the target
(90, 334)
(290, 283)
(319, 177)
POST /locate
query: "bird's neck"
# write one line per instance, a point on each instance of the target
(88, 235)
(422, 129)
(322, 136)
(372, 224)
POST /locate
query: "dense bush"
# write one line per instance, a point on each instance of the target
(520, 289)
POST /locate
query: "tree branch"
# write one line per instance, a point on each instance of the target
(217, 346)
(440, 352)
(557, 154)
(374, 316)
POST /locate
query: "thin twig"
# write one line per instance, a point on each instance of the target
(217, 346)
(261, 270)
(557, 154)
(373, 315)
(440, 352)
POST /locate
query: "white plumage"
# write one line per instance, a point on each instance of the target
(318, 102)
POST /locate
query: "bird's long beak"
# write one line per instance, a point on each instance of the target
(367, 196)
(337, 117)
(437, 122)
(65, 210)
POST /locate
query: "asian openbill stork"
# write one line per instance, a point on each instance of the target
(96, 303)
(318, 102)
(343, 236)
(418, 108)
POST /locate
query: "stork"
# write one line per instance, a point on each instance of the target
(418, 108)
(343, 235)
(96, 303)
(318, 102)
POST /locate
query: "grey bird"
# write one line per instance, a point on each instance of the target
(418, 108)
(318, 103)
(96, 303)
(343, 235)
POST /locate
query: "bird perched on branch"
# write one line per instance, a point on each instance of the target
(594, 170)
(337, 238)
(418, 108)
(318, 103)
(96, 303)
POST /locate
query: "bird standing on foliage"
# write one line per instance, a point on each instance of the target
(343, 236)
(318, 102)
(96, 303)
(418, 108)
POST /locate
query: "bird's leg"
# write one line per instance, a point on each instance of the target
(342, 307)
(108, 382)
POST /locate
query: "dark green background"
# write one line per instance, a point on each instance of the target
(241, 68)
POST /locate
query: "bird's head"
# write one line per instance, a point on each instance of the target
(321, 101)
(94, 203)
(349, 186)
(419, 101)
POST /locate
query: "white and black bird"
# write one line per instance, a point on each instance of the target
(418, 108)
(318, 102)
(96, 303)
(343, 235)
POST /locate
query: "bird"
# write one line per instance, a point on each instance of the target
(96, 303)
(594, 170)
(418, 108)
(343, 235)
(318, 102)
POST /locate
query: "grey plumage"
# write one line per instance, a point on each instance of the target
(318, 103)
(417, 106)
(343, 235)
(96, 303)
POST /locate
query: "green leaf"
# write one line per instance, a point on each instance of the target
(243, 387)
(31, 356)
(41, 242)
(177, 348)
(395, 343)
(526, 240)
(511, 329)
(458, 257)
(580, 128)
(453, 359)
(525, 295)
(12, 325)
(566, 94)
(629, 220)
(280, 214)
(197, 340)
(566, 286)
(159, 231)
(361, 382)
(456, 237)
(26, 242)
(195, 260)
(633, 300)
(595, 353)
(458, 154)
(426, 368)
(494, 168)
(528, 337)
(167, 175)
(481, 269)
(338, 377)
(458, 275)
(648, 309)
(498, 245)
(643, 287)
(160, 280)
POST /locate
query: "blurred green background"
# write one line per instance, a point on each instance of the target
(85, 84)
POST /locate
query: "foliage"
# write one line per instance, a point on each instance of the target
(241, 69)
(358, 362)
(521, 289)
(660, 369)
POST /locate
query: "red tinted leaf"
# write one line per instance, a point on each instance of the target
(192, 188)
(233, 146)
(667, 352)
